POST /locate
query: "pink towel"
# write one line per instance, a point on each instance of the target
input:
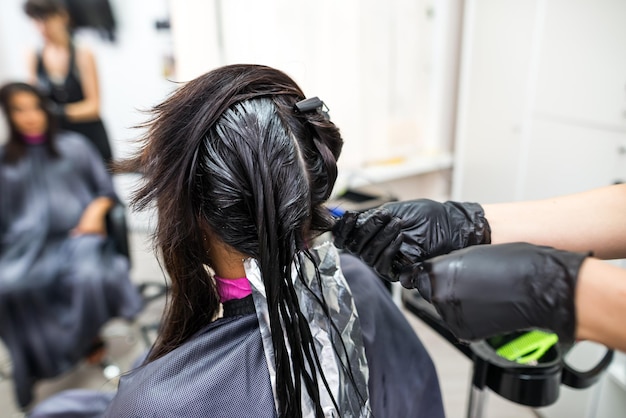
(229, 289)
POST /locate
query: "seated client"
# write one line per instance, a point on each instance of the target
(60, 276)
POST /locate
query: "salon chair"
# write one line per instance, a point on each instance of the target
(534, 385)
(150, 290)
(117, 229)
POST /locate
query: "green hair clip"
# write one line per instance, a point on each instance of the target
(528, 348)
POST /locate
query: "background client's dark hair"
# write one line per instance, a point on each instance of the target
(15, 148)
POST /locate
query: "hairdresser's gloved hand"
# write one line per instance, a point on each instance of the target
(488, 290)
(400, 234)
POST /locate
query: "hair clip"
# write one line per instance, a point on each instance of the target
(312, 104)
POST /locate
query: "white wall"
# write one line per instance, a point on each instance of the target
(383, 68)
(15, 38)
(542, 107)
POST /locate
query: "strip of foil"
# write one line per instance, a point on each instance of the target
(352, 399)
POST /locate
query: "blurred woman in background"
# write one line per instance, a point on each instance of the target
(67, 73)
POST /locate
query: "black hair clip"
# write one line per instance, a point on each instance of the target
(312, 104)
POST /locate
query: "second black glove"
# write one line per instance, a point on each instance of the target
(488, 290)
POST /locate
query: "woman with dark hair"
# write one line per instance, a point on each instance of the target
(60, 278)
(264, 317)
(67, 74)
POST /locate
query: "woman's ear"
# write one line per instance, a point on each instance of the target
(225, 260)
(206, 235)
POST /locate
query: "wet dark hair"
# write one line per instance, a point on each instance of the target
(226, 156)
(42, 9)
(15, 147)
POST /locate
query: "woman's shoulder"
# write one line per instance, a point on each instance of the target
(229, 334)
(356, 272)
(371, 297)
(205, 374)
(83, 53)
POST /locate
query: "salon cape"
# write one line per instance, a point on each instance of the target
(56, 291)
(223, 370)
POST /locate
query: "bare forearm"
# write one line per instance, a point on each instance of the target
(93, 219)
(100, 206)
(589, 221)
(601, 304)
(87, 110)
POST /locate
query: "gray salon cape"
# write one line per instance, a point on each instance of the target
(56, 291)
(222, 371)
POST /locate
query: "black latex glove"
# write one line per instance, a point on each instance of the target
(489, 290)
(400, 234)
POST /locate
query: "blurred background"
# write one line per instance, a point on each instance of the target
(479, 100)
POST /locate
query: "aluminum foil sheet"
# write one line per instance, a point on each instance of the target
(337, 347)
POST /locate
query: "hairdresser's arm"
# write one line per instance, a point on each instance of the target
(590, 221)
(601, 304)
(93, 219)
(489, 290)
(404, 233)
(88, 108)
